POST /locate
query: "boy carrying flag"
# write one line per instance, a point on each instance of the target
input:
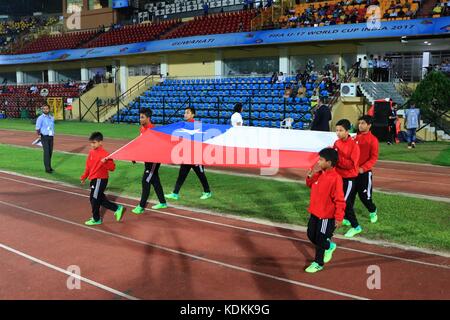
(97, 167)
(327, 206)
(347, 167)
(189, 115)
(151, 171)
(368, 146)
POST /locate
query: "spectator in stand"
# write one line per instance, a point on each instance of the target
(409, 13)
(356, 66)
(274, 78)
(315, 99)
(287, 92)
(370, 67)
(376, 70)
(363, 69)
(437, 9)
(205, 8)
(281, 78)
(301, 92)
(108, 77)
(385, 67)
(241, 27)
(98, 78)
(82, 87)
(34, 89)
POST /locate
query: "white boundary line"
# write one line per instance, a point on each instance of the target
(185, 254)
(73, 275)
(242, 228)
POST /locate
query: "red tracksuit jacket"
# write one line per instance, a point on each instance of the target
(327, 195)
(95, 169)
(348, 152)
(368, 148)
(142, 129)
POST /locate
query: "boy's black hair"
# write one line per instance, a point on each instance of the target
(148, 112)
(192, 109)
(344, 123)
(238, 107)
(96, 136)
(329, 154)
(367, 119)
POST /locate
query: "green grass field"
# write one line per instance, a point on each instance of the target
(437, 153)
(405, 220)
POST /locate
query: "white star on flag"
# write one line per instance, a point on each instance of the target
(191, 132)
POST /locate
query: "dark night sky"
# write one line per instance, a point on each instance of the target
(27, 7)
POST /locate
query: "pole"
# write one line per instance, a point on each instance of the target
(98, 110)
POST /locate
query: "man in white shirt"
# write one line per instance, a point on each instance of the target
(281, 78)
(363, 67)
(236, 118)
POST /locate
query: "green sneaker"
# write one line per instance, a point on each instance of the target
(138, 210)
(373, 217)
(329, 253)
(313, 268)
(346, 223)
(172, 196)
(206, 195)
(92, 222)
(119, 212)
(353, 232)
(160, 206)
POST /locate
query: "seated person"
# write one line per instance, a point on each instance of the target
(287, 92)
(301, 92)
(437, 9)
(34, 89)
(281, 78)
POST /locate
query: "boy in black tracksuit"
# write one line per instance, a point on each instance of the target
(151, 172)
(199, 170)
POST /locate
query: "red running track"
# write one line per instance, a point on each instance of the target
(179, 254)
(388, 176)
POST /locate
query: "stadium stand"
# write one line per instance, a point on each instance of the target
(169, 7)
(15, 99)
(132, 33)
(214, 24)
(11, 30)
(441, 9)
(344, 12)
(308, 14)
(70, 40)
(214, 99)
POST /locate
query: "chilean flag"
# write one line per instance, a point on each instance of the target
(224, 145)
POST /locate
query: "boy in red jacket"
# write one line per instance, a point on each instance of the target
(327, 207)
(368, 146)
(97, 167)
(347, 167)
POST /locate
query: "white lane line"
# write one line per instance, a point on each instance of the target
(185, 254)
(73, 275)
(240, 228)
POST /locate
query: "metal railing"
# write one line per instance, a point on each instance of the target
(102, 106)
